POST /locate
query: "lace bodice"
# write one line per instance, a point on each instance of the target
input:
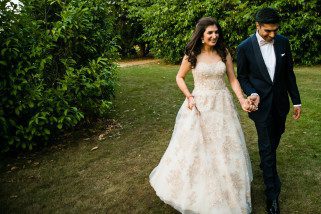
(209, 76)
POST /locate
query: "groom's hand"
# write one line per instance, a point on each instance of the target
(255, 100)
(296, 112)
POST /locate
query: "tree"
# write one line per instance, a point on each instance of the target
(168, 24)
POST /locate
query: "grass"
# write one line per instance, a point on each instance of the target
(70, 177)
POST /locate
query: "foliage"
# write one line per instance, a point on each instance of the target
(168, 24)
(302, 25)
(56, 67)
(129, 30)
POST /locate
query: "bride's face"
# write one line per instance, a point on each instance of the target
(210, 36)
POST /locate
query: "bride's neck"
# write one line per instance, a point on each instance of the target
(207, 50)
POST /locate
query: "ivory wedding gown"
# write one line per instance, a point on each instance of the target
(206, 167)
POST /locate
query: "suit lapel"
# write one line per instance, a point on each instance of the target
(259, 59)
(277, 50)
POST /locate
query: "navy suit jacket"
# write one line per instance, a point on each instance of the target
(254, 77)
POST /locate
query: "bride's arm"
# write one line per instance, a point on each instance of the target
(180, 80)
(180, 77)
(236, 85)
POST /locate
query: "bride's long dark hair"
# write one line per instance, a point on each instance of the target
(193, 48)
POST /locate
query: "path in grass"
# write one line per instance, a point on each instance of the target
(87, 175)
(129, 63)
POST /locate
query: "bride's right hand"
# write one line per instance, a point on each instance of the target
(246, 105)
(191, 102)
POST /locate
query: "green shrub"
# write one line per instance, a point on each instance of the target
(56, 68)
(302, 25)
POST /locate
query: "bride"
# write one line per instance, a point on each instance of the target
(206, 167)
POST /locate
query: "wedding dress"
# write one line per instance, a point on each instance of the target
(206, 167)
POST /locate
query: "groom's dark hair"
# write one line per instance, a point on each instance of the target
(267, 16)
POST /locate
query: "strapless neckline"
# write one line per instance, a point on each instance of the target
(211, 63)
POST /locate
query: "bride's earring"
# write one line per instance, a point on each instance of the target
(203, 41)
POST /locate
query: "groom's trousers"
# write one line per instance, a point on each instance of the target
(269, 134)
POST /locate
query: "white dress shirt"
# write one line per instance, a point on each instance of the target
(268, 53)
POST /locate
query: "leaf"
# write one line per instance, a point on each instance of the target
(3, 62)
(94, 148)
(17, 111)
(102, 137)
(3, 51)
(47, 131)
(14, 168)
(31, 104)
(11, 141)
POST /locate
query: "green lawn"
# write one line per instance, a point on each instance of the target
(70, 178)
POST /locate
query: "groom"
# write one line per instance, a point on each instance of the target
(265, 72)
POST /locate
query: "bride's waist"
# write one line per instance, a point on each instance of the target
(209, 90)
(209, 87)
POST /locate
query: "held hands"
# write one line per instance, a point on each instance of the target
(245, 104)
(250, 104)
(255, 100)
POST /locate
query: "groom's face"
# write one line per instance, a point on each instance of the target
(267, 31)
